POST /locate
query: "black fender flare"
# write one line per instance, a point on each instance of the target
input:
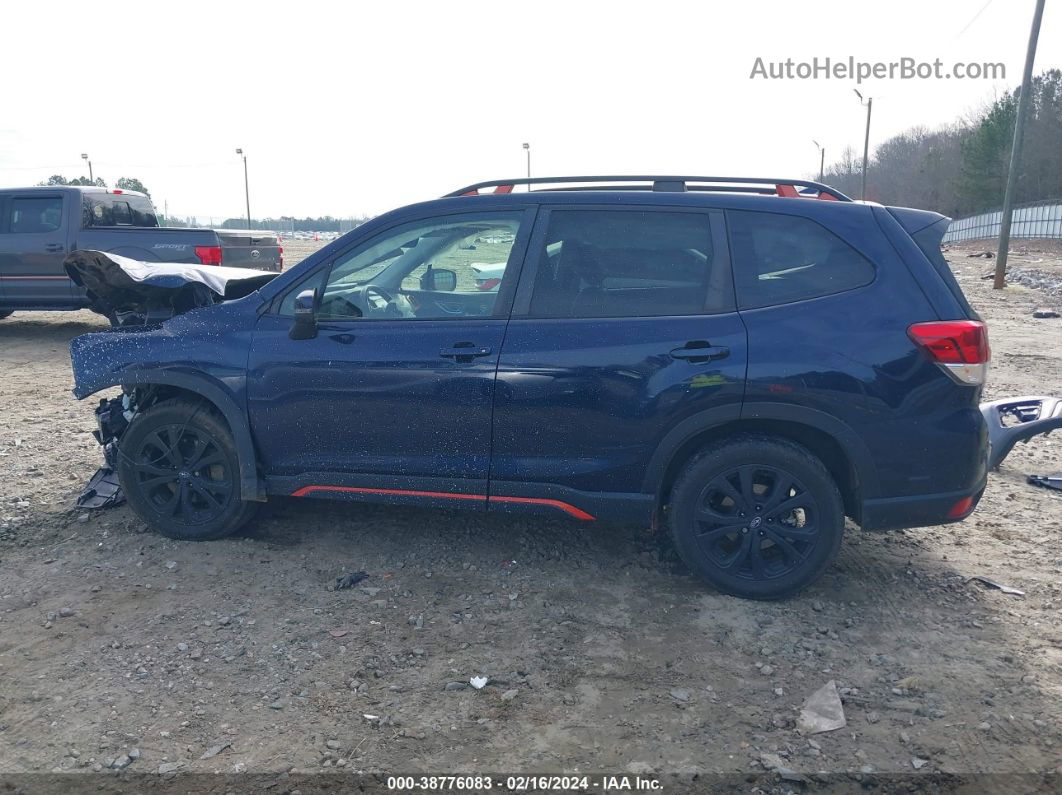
(849, 441)
(251, 487)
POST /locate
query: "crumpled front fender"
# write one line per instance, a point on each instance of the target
(203, 352)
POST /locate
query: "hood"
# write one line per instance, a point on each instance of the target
(130, 292)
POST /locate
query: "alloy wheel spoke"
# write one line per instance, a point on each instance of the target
(788, 551)
(783, 484)
(784, 507)
(755, 557)
(198, 487)
(806, 533)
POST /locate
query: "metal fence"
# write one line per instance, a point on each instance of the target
(1042, 219)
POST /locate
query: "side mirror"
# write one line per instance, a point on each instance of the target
(304, 327)
(439, 280)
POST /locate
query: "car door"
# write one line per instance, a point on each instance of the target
(32, 249)
(393, 396)
(623, 327)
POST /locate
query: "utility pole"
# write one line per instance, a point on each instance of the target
(246, 189)
(85, 157)
(527, 148)
(822, 160)
(1015, 150)
(866, 143)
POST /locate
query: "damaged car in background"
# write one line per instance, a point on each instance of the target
(744, 361)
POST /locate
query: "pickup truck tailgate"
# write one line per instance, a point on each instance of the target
(250, 248)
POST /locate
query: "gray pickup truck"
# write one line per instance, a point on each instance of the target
(40, 226)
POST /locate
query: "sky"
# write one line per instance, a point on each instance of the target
(351, 109)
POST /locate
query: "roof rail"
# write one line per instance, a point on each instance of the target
(793, 188)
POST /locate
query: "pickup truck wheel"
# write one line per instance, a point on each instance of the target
(179, 470)
(756, 516)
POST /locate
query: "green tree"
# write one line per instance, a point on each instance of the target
(132, 183)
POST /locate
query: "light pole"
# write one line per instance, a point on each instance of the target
(822, 159)
(86, 159)
(869, 103)
(527, 148)
(1015, 150)
(246, 189)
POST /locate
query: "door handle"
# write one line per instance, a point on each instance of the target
(464, 352)
(53, 247)
(700, 351)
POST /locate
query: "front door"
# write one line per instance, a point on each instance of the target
(624, 326)
(32, 249)
(393, 397)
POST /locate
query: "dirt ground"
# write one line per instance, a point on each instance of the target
(603, 654)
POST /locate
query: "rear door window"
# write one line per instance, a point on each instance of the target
(34, 215)
(611, 263)
(779, 259)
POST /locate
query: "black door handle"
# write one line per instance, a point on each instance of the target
(464, 352)
(700, 351)
(54, 247)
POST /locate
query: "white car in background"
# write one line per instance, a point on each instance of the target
(488, 275)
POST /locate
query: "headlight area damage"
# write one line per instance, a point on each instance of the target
(136, 296)
(132, 293)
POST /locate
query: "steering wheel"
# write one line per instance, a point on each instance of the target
(379, 302)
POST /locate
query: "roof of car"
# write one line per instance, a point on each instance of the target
(82, 188)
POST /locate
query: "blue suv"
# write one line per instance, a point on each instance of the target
(746, 361)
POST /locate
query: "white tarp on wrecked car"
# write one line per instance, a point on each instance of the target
(129, 291)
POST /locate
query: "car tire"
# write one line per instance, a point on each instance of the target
(756, 516)
(179, 470)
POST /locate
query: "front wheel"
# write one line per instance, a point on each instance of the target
(179, 469)
(756, 516)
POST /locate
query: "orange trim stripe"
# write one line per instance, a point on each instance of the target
(569, 509)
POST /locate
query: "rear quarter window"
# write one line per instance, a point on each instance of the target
(779, 259)
(106, 209)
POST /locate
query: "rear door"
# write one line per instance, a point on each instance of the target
(624, 325)
(32, 248)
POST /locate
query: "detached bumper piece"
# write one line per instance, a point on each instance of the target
(1014, 420)
(102, 491)
(112, 417)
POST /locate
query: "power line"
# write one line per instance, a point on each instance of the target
(975, 18)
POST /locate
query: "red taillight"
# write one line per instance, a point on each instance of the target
(488, 284)
(960, 509)
(208, 255)
(280, 257)
(960, 347)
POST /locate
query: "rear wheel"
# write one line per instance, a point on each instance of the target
(179, 470)
(757, 517)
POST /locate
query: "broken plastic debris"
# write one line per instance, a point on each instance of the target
(214, 750)
(479, 682)
(822, 712)
(102, 491)
(993, 584)
(338, 633)
(1047, 481)
(350, 580)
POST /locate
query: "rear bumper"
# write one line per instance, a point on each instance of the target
(924, 510)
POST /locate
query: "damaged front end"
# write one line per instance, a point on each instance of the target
(113, 417)
(158, 346)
